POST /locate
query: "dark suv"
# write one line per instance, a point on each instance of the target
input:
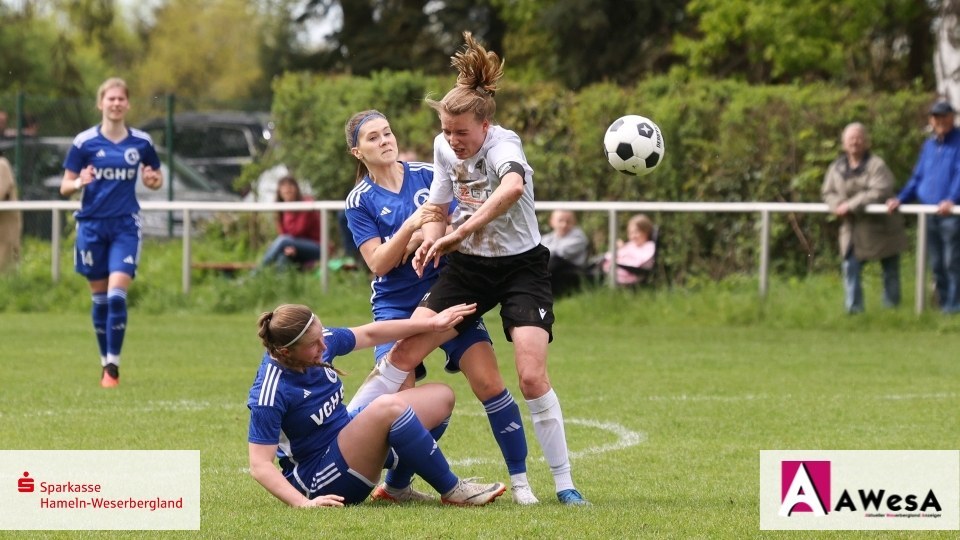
(218, 143)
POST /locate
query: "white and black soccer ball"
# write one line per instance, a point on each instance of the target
(634, 145)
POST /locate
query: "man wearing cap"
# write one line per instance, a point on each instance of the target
(936, 181)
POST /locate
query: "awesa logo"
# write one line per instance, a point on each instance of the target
(805, 487)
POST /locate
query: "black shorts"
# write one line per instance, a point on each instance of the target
(520, 284)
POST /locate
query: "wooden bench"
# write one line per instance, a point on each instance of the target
(228, 269)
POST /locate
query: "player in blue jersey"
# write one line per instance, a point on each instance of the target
(493, 254)
(329, 457)
(385, 211)
(105, 163)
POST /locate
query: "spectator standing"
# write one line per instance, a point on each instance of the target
(11, 224)
(936, 181)
(854, 180)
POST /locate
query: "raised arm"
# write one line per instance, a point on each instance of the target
(378, 332)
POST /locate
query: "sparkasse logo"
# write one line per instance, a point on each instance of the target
(25, 484)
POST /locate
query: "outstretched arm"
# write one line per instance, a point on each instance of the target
(379, 332)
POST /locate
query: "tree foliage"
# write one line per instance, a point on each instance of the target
(401, 34)
(203, 49)
(882, 44)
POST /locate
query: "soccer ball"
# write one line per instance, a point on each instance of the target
(634, 145)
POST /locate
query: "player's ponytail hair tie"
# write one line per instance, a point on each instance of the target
(302, 332)
(477, 68)
(356, 130)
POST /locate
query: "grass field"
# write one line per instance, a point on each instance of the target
(668, 400)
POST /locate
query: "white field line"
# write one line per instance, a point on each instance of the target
(186, 405)
(779, 397)
(625, 439)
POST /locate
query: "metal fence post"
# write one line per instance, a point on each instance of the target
(920, 288)
(324, 255)
(55, 245)
(171, 161)
(764, 252)
(187, 225)
(612, 240)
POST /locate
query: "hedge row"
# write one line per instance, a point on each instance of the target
(725, 141)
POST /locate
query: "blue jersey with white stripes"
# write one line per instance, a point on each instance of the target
(302, 412)
(116, 169)
(375, 212)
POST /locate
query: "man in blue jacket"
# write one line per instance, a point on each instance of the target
(936, 180)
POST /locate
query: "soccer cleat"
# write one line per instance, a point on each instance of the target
(522, 494)
(110, 376)
(572, 497)
(468, 493)
(395, 495)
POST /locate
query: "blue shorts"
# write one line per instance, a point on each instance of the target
(107, 245)
(454, 349)
(329, 474)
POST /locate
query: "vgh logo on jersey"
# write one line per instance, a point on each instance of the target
(421, 196)
(131, 156)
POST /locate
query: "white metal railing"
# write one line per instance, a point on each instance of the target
(612, 209)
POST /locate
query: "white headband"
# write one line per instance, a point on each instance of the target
(302, 332)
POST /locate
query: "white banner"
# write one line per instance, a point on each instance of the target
(99, 489)
(860, 489)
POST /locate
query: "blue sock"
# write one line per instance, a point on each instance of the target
(415, 446)
(116, 321)
(504, 416)
(402, 474)
(99, 315)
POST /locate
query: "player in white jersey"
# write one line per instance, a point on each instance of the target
(329, 457)
(385, 211)
(493, 254)
(105, 162)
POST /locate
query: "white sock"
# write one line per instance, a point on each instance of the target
(519, 479)
(113, 359)
(548, 426)
(384, 379)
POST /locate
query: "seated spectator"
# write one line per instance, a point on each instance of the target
(635, 257)
(568, 247)
(298, 233)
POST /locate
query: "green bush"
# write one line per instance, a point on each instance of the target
(725, 141)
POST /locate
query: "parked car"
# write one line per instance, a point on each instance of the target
(41, 172)
(217, 143)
